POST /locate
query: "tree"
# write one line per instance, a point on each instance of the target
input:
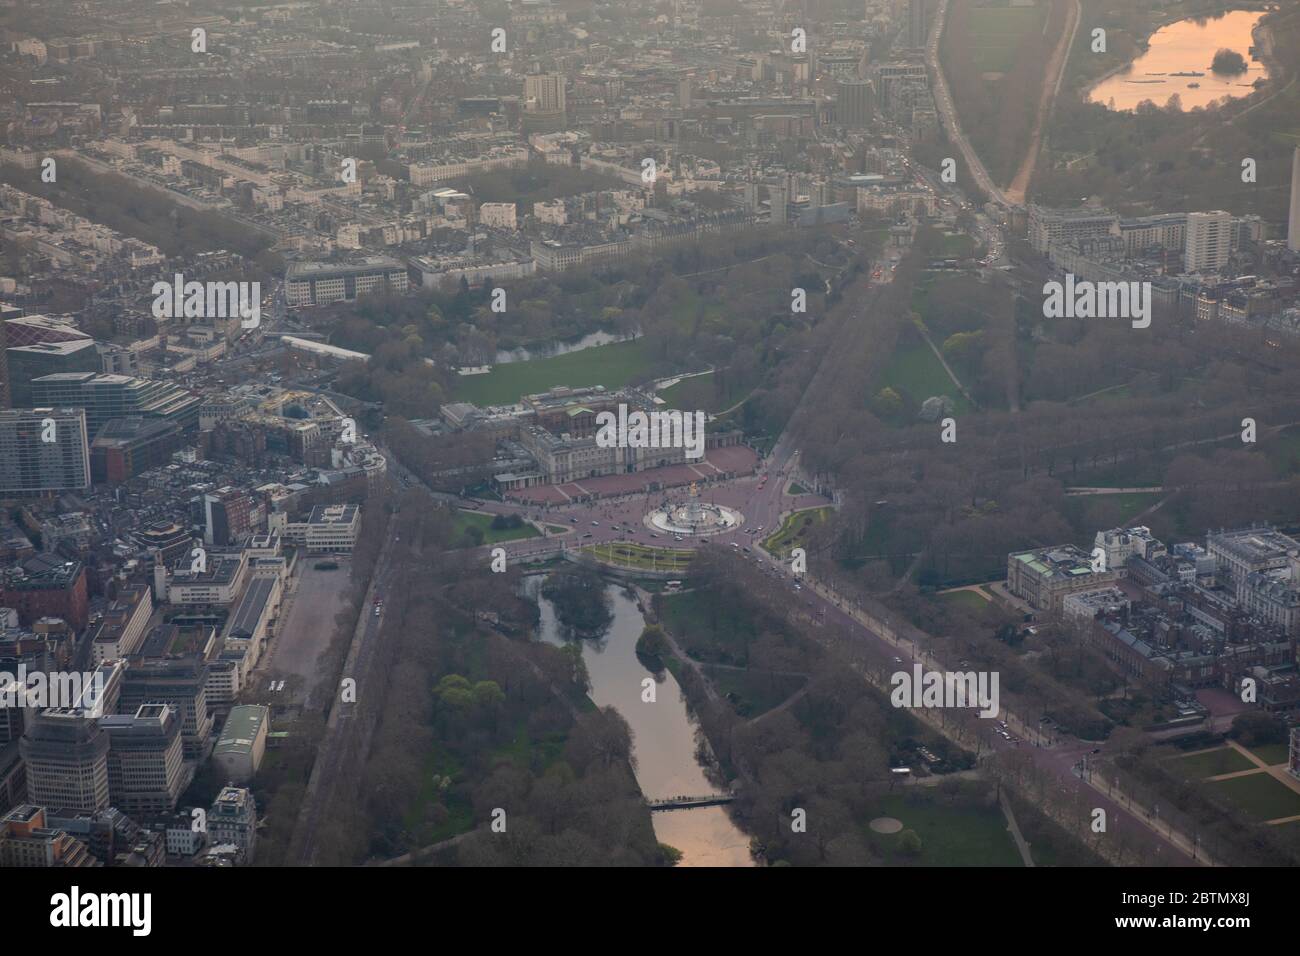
(909, 843)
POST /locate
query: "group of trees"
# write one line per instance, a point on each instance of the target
(828, 754)
(726, 302)
(998, 109)
(144, 213)
(473, 725)
(1156, 157)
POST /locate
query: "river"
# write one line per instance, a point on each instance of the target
(664, 734)
(1186, 46)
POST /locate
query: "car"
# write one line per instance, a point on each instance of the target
(587, 535)
(376, 612)
(595, 524)
(573, 521)
(898, 660)
(653, 535)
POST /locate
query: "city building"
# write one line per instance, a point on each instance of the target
(105, 397)
(144, 759)
(28, 362)
(122, 628)
(1209, 241)
(66, 753)
(1045, 576)
(43, 451)
(917, 24)
(128, 447)
(242, 744)
(46, 586)
(498, 215)
(1048, 227)
(329, 528)
(854, 102)
(320, 283)
(180, 682)
(232, 820)
(1293, 221)
(26, 841)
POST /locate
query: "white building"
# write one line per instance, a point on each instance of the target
(1209, 241)
(497, 215)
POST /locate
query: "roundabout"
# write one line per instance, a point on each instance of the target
(694, 517)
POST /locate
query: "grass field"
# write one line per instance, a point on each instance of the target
(1271, 753)
(751, 693)
(629, 555)
(705, 631)
(1129, 503)
(472, 519)
(1210, 764)
(915, 371)
(1258, 795)
(613, 366)
(996, 33)
(794, 530)
(956, 245)
(951, 835)
(699, 392)
(967, 601)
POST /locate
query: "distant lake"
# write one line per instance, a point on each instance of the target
(521, 354)
(1186, 46)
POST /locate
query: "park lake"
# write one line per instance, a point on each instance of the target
(1186, 47)
(664, 735)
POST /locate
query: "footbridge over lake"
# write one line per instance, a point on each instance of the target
(688, 802)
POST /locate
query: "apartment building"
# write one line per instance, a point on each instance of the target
(43, 451)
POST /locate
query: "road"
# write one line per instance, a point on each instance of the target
(1052, 80)
(343, 741)
(948, 114)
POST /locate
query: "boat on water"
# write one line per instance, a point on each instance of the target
(1187, 73)
(1193, 86)
(1144, 81)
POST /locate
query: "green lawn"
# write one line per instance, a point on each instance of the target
(529, 753)
(751, 693)
(614, 366)
(699, 392)
(1210, 764)
(1128, 503)
(794, 530)
(705, 630)
(473, 519)
(798, 489)
(956, 245)
(915, 371)
(967, 601)
(460, 812)
(627, 554)
(996, 33)
(951, 834)
(1258, 795)
(1271, 753)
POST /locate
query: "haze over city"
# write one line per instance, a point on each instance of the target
(698, 433)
